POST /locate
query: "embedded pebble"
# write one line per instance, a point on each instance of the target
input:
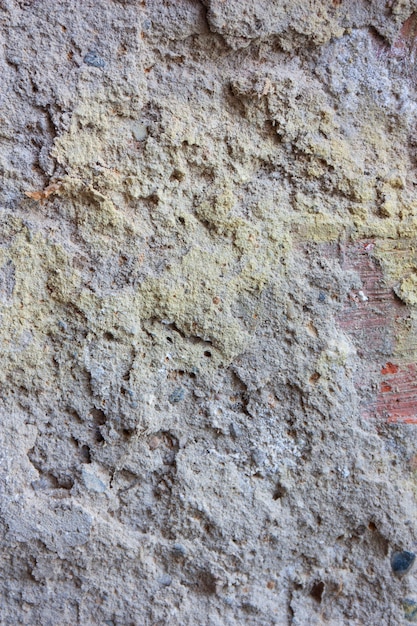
(92, 482)
(94, 60)
(39, 485)
(402, 562)
(179, 550)
(410, 610)
(139, 131)
(362, 296)
(154, 442)
(177, 395)
(165, 580)
(258, 457)
(235, 430)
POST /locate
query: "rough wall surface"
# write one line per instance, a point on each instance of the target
(208, 312)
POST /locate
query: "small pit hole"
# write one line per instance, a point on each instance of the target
(207, 353)
(317, 591)
(62, 481)
(280, 492)
(177, 175)
(85, 454)
(98, 416)
(98, 436)
(314, 377)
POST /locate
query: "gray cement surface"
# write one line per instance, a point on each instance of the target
(208, 316)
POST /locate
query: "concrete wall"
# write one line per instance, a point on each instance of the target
(208, 312)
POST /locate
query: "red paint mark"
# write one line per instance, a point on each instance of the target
(385, 387)
(373, 326)
(399, 404)
(389, 368)
(400, 419)
(405, 44)
(371, 323)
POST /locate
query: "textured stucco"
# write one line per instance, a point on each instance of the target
(208, 292)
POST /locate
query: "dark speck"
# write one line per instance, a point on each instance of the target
(402, 562)
(93, 59)
(280, 492)
(177, 395)
(322, 297)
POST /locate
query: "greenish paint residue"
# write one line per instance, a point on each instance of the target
(219, 250)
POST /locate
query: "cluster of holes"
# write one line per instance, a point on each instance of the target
(100, 419)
